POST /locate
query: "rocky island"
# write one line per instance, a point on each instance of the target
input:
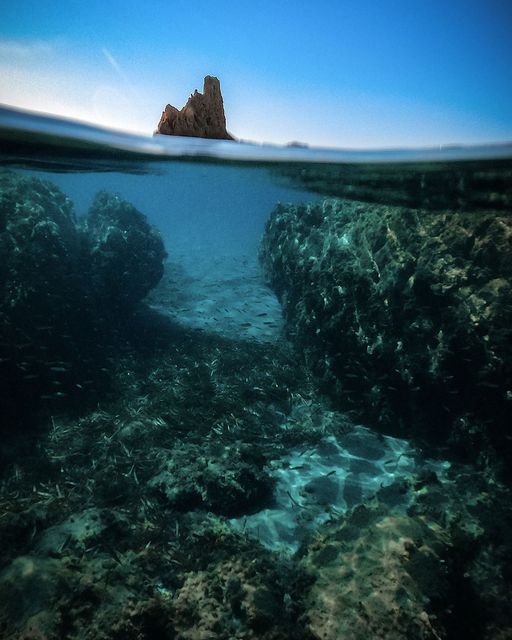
(202, 117)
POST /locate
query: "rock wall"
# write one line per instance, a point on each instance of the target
(406, 315)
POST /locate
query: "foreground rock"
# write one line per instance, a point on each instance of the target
(202, 116)
(406, 315)
(380, 572)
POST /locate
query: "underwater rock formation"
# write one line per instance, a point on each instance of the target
(40, 250)
(229, 483)
(126, 253)
(379, 582)
(202, 117)
(41, 296)
(235, 598)
(405, 315)
(424, 573)
(231, 589)
(428, 185)
(63, 282)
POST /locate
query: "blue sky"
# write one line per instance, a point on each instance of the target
(354, 73)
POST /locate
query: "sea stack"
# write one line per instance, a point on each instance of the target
(202, 117)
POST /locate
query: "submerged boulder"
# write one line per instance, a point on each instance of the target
(438, 569)
(126, 253)
(63, 282)
(43, 300)
(382, 579)
(406, 315)
(230, 484)
(40, 250)
(53, 262)
(202, 116)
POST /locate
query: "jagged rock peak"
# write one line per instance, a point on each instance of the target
(202, 117)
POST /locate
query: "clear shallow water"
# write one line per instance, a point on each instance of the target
(303, 396)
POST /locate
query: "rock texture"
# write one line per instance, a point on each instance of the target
(126, 252)
(64, 284)
(381, 572)
(406, 315)
(229, 484)
(379, 583)
(202, 116)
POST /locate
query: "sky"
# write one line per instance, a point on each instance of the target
(332, 73)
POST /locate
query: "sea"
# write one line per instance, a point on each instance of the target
(252, 391)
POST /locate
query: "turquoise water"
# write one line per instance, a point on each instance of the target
(252, 391)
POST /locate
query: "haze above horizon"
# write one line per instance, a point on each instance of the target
(328, 73)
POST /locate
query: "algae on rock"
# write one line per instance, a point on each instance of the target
(63, 282)
(406, 315)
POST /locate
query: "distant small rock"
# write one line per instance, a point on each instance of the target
(202, 117)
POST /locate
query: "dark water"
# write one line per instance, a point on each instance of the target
(252, 392)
